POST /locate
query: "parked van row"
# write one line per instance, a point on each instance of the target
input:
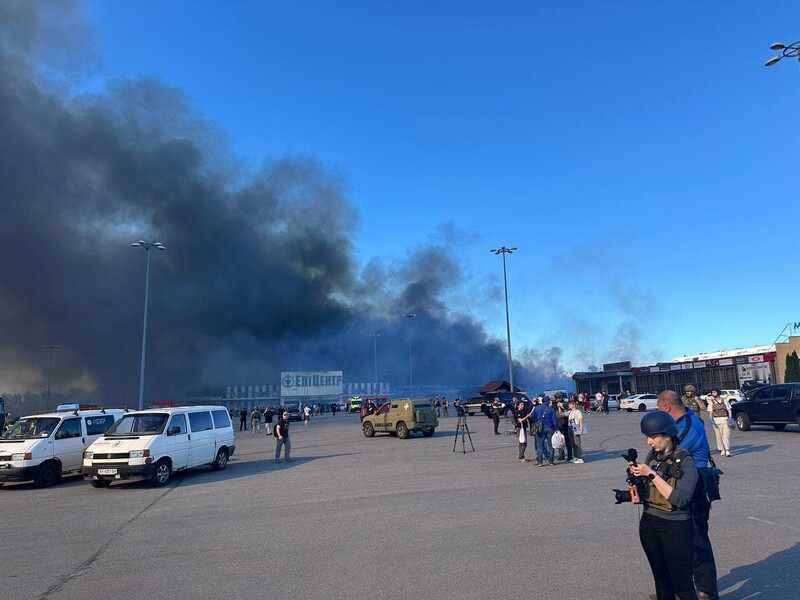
(110, 445)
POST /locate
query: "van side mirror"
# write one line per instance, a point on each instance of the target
(174, 430)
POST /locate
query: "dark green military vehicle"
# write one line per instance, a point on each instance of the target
(404, 416)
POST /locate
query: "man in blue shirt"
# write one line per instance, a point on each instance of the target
(692, 436)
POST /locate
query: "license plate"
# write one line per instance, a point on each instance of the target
(106, 471)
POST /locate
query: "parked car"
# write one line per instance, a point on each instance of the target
(640, 402)
(43, 448)
(153, 444)
(776, 405)
(613, 402)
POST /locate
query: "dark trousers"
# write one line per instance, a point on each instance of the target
(242, 424)
(704, 567)
(496, 421)
(567, 442)
(668, 547)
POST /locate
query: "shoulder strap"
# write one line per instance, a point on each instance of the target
(686, 429)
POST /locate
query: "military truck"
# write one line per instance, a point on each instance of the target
(405, 415)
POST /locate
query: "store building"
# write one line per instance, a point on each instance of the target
(732, 369)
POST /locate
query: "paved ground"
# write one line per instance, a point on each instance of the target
(388, 518)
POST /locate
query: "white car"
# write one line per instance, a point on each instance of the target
(44, 448)
(640, 402)
(153, 444)
(729, 395)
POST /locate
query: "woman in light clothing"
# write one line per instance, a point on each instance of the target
(575, 429)
(719, 410)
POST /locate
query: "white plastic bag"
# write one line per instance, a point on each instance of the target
(558, 440)
(523, 438)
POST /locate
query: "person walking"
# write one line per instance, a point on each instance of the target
(438, 405)
(721, 417)
(243, 419)
(521, 418)
(445, 406)
(306, 416)
(692, 400)
(598, 401)
(255, 420)
(495, 414)
(605, 403)
(283, 441)
(575, 420)
(562, 415)
(692, 438)
(268, 415)
(334, 408)
(665, 529)
(587, 406)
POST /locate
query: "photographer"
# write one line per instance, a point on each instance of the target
(665, 529)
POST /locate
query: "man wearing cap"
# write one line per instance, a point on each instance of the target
(692, 400)
(692, 438)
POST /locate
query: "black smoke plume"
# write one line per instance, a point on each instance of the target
(259, 274)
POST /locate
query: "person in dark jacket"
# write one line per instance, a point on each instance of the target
(243, 419)
(268, 415)
(549, 426)
(562, 415)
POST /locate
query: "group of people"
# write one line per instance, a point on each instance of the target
(546, 419)
(441, 405)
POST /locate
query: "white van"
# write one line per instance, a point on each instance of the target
(43, 448)
(152, 444)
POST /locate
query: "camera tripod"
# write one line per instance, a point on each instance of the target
(463, 428)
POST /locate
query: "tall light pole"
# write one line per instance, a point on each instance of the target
(375, 337)
(50, 347)
(147, 246)
(787, 51)
(410, 361)
(503, 250)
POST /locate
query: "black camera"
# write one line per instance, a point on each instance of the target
(461, 410)
(637, 486)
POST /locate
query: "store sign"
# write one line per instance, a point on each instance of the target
(617, 366)
(311, 383)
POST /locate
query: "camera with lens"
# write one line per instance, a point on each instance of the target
(461, 410)
(637, 486)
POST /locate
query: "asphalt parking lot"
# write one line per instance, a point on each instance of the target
(353, 517)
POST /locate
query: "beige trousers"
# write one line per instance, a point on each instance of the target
(723, 434)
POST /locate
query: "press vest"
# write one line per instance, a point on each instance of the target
(670, 471)
(718, 408)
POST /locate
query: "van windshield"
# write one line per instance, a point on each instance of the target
(26, 429)
(139, 425)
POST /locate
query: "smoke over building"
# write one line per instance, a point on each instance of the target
(259, 275)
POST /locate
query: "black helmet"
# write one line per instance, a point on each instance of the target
(659, 422)
(716, 390)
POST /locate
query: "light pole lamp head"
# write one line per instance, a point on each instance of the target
(777, 46)
(159, 245)
(772, 61)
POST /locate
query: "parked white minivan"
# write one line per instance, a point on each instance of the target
(43, 448)
(152, 444)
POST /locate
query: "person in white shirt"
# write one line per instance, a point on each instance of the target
(575, 429)
(719, 412)
(306, 415)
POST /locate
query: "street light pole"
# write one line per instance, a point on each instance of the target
(50, 347)
(147, 246)
(503, 250)
(375, 337)
(787, 51)
(410, 361)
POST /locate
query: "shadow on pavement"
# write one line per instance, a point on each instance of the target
(736, 450)
(774, 577)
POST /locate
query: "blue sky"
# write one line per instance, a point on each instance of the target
(638, 154)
